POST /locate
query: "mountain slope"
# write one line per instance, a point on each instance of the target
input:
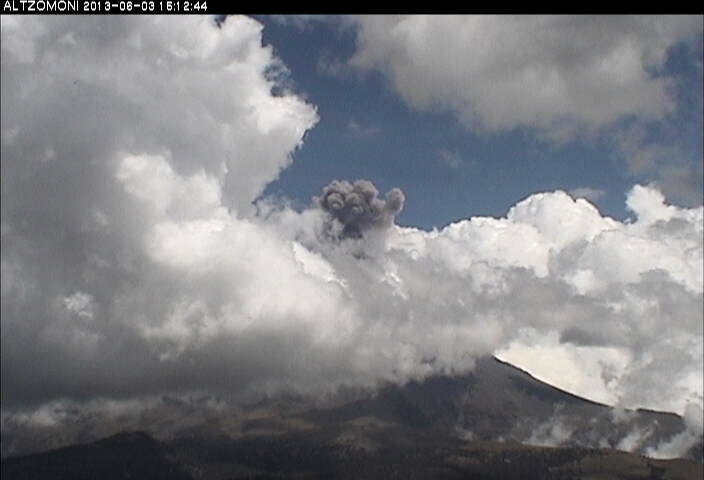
(498, 401)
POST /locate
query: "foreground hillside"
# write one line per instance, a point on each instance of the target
(333, 453)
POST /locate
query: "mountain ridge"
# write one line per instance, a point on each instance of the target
(496, 409)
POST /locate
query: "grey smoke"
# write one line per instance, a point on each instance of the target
(355, 208)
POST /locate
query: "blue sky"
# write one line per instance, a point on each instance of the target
(450, 172)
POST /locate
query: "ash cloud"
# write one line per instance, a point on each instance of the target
(354, 208)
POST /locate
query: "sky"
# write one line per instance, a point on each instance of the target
(182, 210)
(464, 141)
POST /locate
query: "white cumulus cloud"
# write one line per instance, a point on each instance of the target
(553, 74)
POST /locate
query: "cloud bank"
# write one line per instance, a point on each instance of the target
(134, 262)
(554, 74)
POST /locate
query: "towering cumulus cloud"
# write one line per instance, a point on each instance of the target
(134, 264)
(132, 148)
(356, 207)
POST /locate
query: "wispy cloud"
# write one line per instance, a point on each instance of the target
(679, 175)
(591, 194)
(450, 158)
(360, 131)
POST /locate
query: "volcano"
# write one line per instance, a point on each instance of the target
(494, 422)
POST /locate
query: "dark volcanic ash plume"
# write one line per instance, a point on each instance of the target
(356, 207)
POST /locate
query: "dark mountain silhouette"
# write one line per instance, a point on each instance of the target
(495, 422)
(393, 452)
(129, 455)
